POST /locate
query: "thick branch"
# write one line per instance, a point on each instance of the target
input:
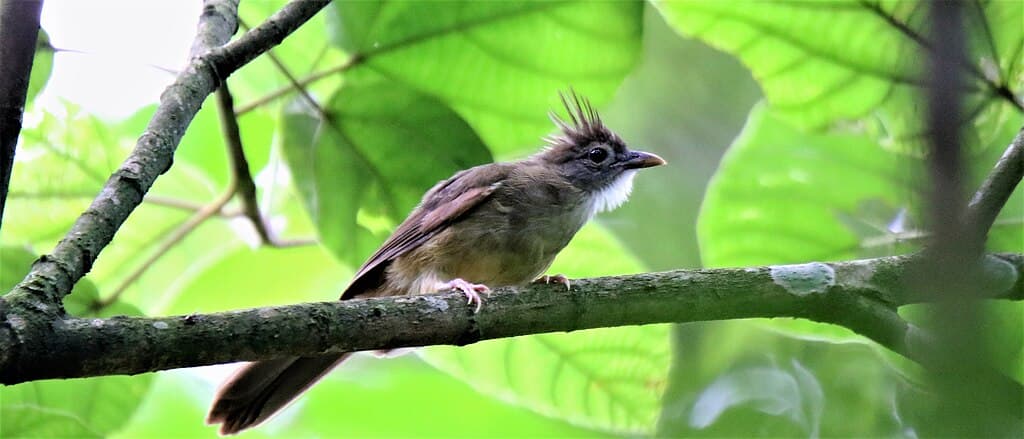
(83, 347)
(19, 28)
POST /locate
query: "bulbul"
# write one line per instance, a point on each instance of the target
(493, 225)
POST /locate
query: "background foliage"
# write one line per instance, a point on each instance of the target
(824, 166)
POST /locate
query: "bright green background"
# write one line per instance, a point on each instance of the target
(821, 168)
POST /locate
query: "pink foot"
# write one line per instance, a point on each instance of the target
(470, 290)
(558, 279)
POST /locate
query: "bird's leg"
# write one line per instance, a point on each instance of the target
(558, 279)
(471, 290)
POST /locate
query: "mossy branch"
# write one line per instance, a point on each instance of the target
(854, 294)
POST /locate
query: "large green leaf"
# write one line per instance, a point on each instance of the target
(609, 379)
(93, 407)
(839, 63)
(381, 146)
(499, 64)
(783, 196)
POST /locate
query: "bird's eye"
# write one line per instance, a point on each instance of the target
(597, 155)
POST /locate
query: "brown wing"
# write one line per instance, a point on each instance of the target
(442, 205)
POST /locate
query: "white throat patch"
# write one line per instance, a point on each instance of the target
(615, 194)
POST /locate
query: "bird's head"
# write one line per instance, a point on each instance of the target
(591, 156)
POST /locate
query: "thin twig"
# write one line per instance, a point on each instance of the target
(301, 83)
(176, 203)
(173, 239)
(292, 81)
(240, 173)
(242, 176)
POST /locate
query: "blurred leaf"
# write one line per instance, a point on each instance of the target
(91, 407)
(258, 277)
(498, 64)
(367, 397)
(42, 65)
(609, 379)
(792, 393)
(841, 192)
(835, 63)
(733, 379)
(382, 146)
(14, 265)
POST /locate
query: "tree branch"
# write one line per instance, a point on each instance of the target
(995, 191)
(53, 275)
(81, 347)
(19, 30)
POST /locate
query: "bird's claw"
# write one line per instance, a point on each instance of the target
(557, 279)
(471, 290)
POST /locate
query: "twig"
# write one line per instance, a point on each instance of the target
(301, 83)
(19, 28)
(997, 188)
(241, 176)
(175, 203)
(294, 83)
(173, 239)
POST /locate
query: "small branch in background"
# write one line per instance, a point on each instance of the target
(242, 176)
(19, 31)
(301, 83)
(995, 191)
(292, 82)
(974, 400)
(177, 203)
(173, 239)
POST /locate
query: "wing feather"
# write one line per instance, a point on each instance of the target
(445, 203)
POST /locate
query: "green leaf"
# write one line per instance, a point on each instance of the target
(381, 147)
(498, 64)
(842, 193)
(845, 63)
(608, 379)
(42, 65)
(14, 265)
(845, 197)
(241, 277)
(733, 379)
(92, 407)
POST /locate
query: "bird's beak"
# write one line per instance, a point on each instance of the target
(640, 159)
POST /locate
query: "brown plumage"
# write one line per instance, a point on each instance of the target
(496, 225)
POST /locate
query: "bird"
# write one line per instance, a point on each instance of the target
(493, 225)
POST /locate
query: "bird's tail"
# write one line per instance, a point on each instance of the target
(260, 389)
